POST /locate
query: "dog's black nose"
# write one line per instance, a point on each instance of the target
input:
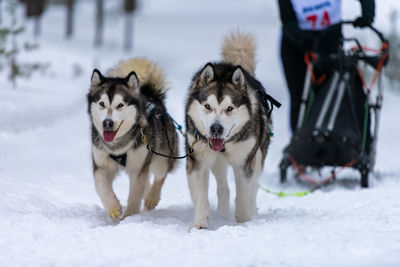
(108, 124)
(216, 129)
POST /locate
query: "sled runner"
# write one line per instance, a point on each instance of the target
(339, 114)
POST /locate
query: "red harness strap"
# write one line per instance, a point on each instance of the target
(313, 57)
(378, 68)
(324, 181)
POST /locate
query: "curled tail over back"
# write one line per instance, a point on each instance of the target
(151, 77)
(239, 49)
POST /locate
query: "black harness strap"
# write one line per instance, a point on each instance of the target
(120, 159)
(272, 102)
(190, 151)
(269, 101)
(149, 108)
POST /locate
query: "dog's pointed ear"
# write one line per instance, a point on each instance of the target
(132, 80)
(238, 78)
(97, 77)
(206, 75)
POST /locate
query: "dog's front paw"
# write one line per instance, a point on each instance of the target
(241, 218)
(201, 223)
(152, 200)
(223, 209)
(115, 211)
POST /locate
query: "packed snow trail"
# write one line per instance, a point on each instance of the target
(50, 213)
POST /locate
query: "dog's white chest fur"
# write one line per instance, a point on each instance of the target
(237, 153)
(135, 159)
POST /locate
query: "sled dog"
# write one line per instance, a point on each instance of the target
(225, 111)
(125, 106)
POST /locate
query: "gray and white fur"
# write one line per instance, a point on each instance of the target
(224, 109)
(121, 108)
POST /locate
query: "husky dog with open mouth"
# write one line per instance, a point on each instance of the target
(227, 112)
(125, 107)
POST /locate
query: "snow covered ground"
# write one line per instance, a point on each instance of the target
(50, 214)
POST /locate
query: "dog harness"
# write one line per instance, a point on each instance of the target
(149, 108)
(120, 159)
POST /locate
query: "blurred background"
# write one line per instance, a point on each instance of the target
(132, 27)
(49, 210)
(43, 42)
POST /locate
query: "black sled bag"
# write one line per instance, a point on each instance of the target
(333, 131)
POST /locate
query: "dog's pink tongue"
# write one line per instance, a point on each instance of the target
(217, 144)
(108, 136)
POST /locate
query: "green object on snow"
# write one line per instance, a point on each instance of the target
(283, 194)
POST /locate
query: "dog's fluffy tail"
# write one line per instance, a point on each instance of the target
(239, 49)
(150, 75)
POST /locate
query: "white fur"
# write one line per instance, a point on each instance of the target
(246, 187)
(124, 118)
(207, 74)
(198, 184)
(232, 121)
(219, 169)
(246, 191)
(239, 49)
(103, 179)
(138, 182)
(133, 81)
(106, 172)
(96, 78)
(146, 71)
(238, 78)
(125, 115)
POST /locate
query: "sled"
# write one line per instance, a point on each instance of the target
(339, 115)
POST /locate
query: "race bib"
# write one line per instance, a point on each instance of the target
(316, 15)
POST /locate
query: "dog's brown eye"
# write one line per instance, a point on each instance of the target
(101, 104)
(207, 106)
(120, 105)
(229, 109)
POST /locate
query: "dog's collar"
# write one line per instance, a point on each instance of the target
(120, 159)
(199, 135)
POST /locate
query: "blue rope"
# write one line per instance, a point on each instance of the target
(176, 125)
(271, 133)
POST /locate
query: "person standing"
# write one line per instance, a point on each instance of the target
(302, 22)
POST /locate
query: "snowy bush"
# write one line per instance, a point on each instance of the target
(10, 47)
